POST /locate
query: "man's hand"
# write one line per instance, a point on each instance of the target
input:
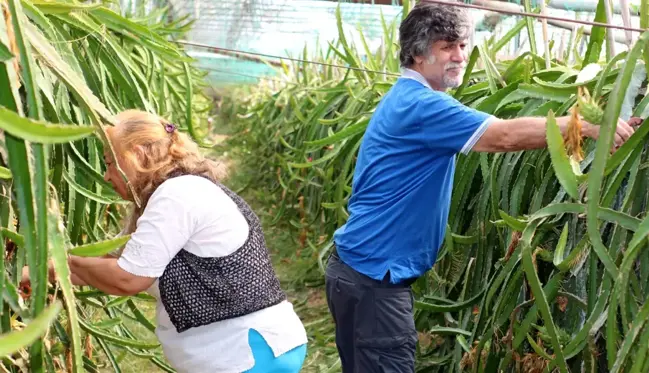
(623, 131)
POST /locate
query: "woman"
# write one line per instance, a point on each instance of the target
(199, 249)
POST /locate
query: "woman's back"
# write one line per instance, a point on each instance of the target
(190, 233)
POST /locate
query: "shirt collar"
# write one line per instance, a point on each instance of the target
(412, 74)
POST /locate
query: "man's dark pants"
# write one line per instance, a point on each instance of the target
(375, 328)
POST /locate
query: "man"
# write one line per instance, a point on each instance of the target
(402, 188)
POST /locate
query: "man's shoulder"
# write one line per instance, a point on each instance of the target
(407, 93)
(404, 85)
(412, 90)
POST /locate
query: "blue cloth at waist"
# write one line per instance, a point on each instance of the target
(265, 360)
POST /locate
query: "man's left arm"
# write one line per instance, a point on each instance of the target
(527, 133)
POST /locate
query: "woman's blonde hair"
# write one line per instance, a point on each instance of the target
(163, 151)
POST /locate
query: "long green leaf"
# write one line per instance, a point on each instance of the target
(644, 24)
(541, 301)
(48, 7)
(117, 340)
(561, 246)
(597, 36)
(88, 193)
(526, 91)
(37, 251)
(440, 330)
(449, 307)
(619, 298)
(18, 339)
(100, 248)
(15, 237)
(5, 173)
(475, 54)
(530, 30)
(351, 130)
(626, 148)
(5, 53)
(38, 131)
(560, 160)
(82, 93)
(638, 324)
(509, 35)
(189, 121)
(607, 132)
(60, 261)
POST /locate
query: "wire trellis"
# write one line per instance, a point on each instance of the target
(267, 78)
(244, 53)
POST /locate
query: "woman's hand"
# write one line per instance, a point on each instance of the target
(24, 279)
(51, 276)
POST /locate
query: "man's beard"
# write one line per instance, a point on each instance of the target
(453, 82)
(448, 81)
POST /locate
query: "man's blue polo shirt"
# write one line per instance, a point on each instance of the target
(401, 190)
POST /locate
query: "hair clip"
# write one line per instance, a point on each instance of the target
(170, 127)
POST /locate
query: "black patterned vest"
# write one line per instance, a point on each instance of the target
(197, 291)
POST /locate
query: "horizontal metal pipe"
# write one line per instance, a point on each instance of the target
(533, 15)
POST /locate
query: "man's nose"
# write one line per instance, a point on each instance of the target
(458, 54)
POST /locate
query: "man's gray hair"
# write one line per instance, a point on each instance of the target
(430, 22)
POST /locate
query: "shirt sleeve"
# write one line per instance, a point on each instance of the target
(448, 124)
(161, 232)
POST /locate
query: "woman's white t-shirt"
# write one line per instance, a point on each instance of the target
(191, 213)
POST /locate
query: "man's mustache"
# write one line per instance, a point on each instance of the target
(454, 65)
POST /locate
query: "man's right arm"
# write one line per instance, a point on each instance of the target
(527, 133)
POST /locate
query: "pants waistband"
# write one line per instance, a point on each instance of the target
(384, 282)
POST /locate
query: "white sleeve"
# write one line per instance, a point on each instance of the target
(162, 231)
(476, 135)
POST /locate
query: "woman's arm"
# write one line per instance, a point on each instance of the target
(51, 276)
(76, 280)
(106, 275)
